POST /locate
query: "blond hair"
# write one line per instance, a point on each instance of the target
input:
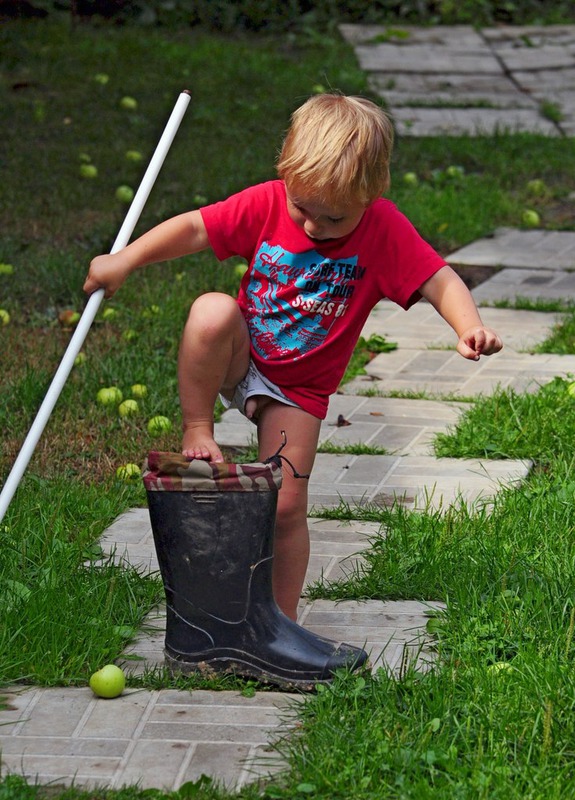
(337, 149)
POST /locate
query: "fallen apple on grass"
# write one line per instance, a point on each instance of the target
(240, 270)
(129, 473)
(139, 390)
(125, 194)
(108, 682)
(134, 155)
(6, 269)
(4, 317)
(69, 318)
(101, 78)
(109, 396)
(109, 313)
(537, 188)
(88, 171)
(128, 407)
(410, 179)
(530, 218)
(129, 103)
(159, 425)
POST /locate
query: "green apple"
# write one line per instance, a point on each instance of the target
(151, 311)
(129, 473)
(69, 318)
(109, 396)
(318, 88)
(88, 171)
(101, 78)
(129, 103)
(159, 425)
(530, 218)
(108, 682)
(6, 269)
(240, 270)
(80, 359)
(134, 155)
(109, 313)
(84, 158)
(4, 317)
(454, 171)
(139, 390)
(200, 200)
(537, 187)
(410, 179)
(571, 389)
(125, 194)
(128, 407)
(129, 335)
(499, 666)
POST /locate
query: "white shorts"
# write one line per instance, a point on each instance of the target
(255, 384)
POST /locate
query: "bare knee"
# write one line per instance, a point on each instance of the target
(214, 315)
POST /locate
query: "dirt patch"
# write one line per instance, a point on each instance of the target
(472, 276)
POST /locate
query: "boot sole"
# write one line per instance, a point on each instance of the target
(226, 665)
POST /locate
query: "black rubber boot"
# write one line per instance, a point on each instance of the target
(213, 529)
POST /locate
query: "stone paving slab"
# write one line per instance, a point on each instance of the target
(443, 373)
(509, 247)
(419, 121)
(405, 89)
(510, 284)
(478, 82)
(421, 328)
(158, 739)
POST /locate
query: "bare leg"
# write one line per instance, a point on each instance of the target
(214, 356)
(291, 544)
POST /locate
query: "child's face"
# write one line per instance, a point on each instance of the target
(323, 222)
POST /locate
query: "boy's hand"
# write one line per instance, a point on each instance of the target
(106, 272)
(478, 341)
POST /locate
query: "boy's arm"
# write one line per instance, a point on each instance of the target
(452, 299)
(178, 236)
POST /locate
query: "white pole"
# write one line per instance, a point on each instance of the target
(92, 306)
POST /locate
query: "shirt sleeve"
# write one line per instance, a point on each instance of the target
(234, 225)
(409, 260)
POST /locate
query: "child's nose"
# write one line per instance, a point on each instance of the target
(312, 227)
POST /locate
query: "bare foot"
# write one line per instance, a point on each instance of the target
(198, 442)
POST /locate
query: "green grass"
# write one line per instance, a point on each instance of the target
(507, 576)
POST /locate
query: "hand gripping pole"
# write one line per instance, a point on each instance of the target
(92, 306)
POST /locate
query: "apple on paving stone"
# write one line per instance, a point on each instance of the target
(108, 682)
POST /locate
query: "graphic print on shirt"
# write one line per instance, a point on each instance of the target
(295, 299)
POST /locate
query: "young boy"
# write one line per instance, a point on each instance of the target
(323, 248)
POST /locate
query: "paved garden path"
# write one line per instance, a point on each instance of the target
(164, 738)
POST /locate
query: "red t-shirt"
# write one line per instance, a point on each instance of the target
(306, 301)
